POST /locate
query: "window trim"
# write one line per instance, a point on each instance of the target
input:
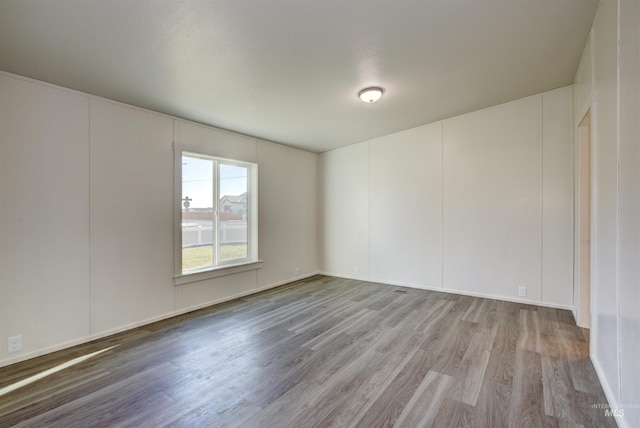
(216, 272)
(229, 267)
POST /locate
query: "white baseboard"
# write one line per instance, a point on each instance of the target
(38, 353)
(92, 337)
(80, 341)
(452, 291)
(613, 403)
(239, 295)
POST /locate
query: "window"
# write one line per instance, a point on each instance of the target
(217, 213)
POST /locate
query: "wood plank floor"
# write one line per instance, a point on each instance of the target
(324, 352)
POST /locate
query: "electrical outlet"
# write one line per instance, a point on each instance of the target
(296, 271)
(15, 344)
(355, 270)
(522, 291)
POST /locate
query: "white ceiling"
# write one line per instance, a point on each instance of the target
(289, 71)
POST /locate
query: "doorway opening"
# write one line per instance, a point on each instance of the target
(583, 220)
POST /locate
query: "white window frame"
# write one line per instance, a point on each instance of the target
(251, 262)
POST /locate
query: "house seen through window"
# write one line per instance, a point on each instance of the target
(216, 212)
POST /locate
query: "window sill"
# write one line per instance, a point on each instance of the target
(217, 272)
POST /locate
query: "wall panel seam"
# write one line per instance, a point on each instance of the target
(617, 283)
(442, 204)
(541, 198)
(92, 300)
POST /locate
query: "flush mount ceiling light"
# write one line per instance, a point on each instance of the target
(371, 95)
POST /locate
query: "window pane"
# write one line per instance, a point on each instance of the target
(197, 213)
(233, 212)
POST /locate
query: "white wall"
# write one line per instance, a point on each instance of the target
(605, 155)
(492, 175)
(131, 227)
(343, 206)
(607, 81)
(86, 218)
(582, 83)
(477, 204)
(557, 204)
(44, 215)
(629, 207)
(288, 230)
(406, 207)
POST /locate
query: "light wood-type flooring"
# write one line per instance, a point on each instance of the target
(324, 352)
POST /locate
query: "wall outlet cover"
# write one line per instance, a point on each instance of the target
(15, 344)
(522, 291)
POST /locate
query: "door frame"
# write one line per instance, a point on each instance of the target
(583, 212)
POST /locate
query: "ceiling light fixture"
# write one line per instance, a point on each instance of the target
(371, 95)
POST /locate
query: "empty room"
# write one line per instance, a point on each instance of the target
(319, 213)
